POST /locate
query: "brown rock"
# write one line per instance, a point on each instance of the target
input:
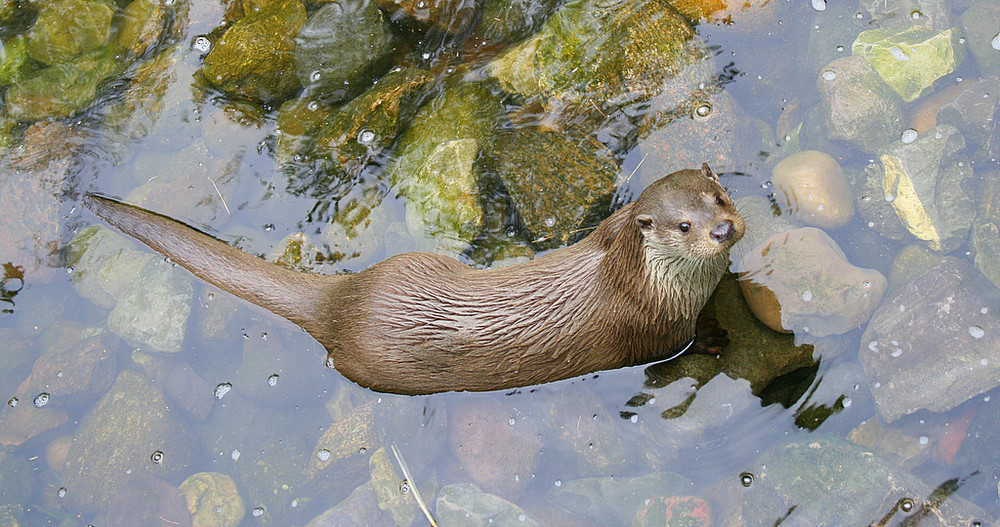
(812, 188)
(801, 281)
(497, 445)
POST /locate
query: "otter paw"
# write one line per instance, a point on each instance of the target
(709, 337)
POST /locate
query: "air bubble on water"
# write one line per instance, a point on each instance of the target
(846, 402)
(222, 389)
(315, 76)
(366, 137)
(828, 75)
(703, 110)
(819, 5)
(909, 136)
(976, 332)
(41, 400)
(272, 381)
(235, 455)
(807, 295)
(995, 43)
(898, 53)
(257, 512)
(323, 454)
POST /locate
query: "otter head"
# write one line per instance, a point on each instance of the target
(688, 215)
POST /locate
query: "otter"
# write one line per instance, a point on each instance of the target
(419, 323)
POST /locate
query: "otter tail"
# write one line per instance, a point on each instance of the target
(294, 295)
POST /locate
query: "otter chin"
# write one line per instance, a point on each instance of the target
(418, 323)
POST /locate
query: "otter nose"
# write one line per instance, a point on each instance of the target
(723, 231)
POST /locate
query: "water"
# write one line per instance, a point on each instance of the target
(631, 423)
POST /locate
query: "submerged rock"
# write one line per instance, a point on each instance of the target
(908, 369)
(354, 135)
(213, 500)
(911, 59)
(907, 13)
(129, 431)
(151, 298)
(452, 16)
(874, 207)
(615, 500)
(609, 54)
(812, 188)
(825, 481)
(14, 60)
(464, 505)
(986, 229)
(930, 184)
(498, 456)
(558, 183)
(979, 23)
(343, 47)
(711, 128)
(146, 500)
(62, 90)
(436, 167)
(506, 21)
(801, 281)
(34, 178)
(858, 106)
(253, 59)
(67, 28)
(974, 113)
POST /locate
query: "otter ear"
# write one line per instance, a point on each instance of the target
(645, 224)
(707, 172)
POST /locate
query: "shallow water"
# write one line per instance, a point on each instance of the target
(722, 442)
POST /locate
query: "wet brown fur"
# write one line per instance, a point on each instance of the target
(422, 323)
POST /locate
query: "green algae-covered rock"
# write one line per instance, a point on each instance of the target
(295, 125)
(910, 59)
(557, 182)
(119, 436)
(452, 16)
(436, 170)
(64, 89)
(13, 58)
(599, 51)
(930, 181)
(352, 136)
(505, 21)
(253, 59)
(67, 28)
(142, 23)
(392, 492)
(342, 48)
(213, 500)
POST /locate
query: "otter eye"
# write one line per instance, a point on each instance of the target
(684, 226)
(720, 201)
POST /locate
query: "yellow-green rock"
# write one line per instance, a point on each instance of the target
(928, 181)
(213, 500)
(253, 59)
(910, 59)
(592, 50)
(436, 170)
(67, 28)
(62, 90)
